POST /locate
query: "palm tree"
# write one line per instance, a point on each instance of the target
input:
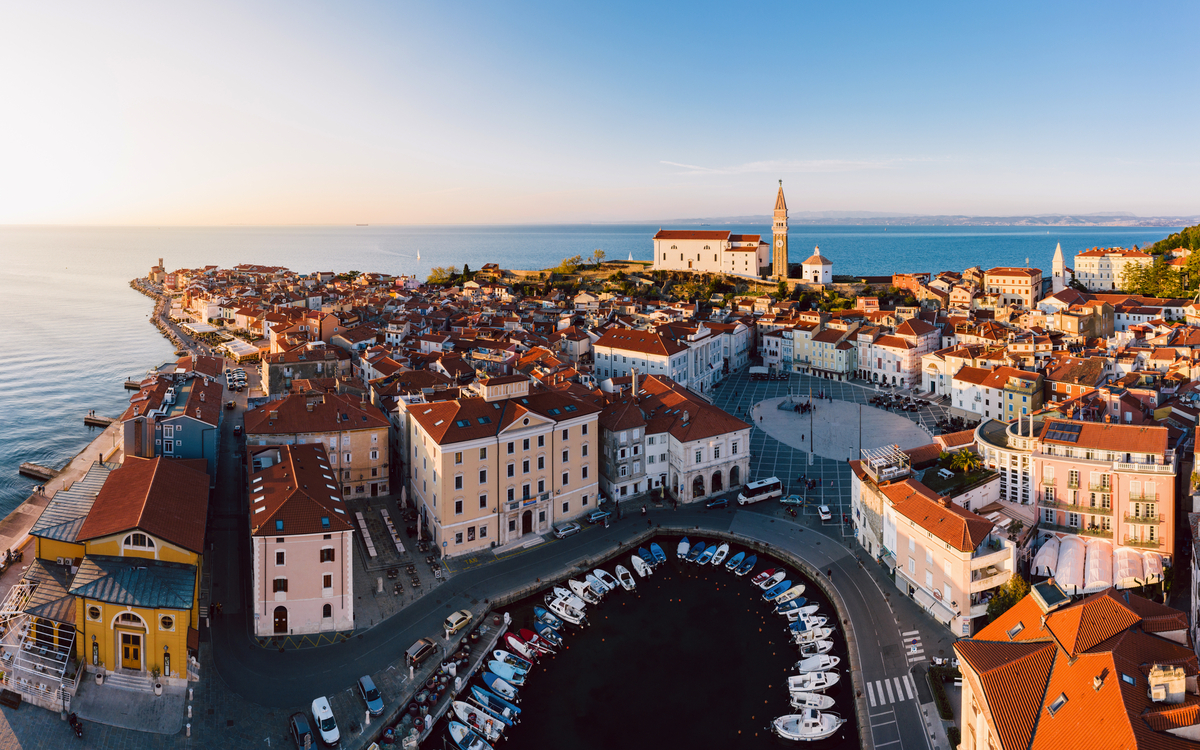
(964, 460)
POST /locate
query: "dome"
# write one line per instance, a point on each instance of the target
(816, 259)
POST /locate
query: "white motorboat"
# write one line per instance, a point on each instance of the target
(626, 578)
(812, 634)
(640, 567)
(790, 594)
(811, 724)
(682, 550)
(805, 611)
(606, 579)
(600, 588)
(812, 648)
(721, 553)
(810, 621)
(812, 682)
(466, 738)
(566, 611)
(583, 591)
(569, 598)
(482, 722)
(775, 578)
(818, 663)
(812, 700)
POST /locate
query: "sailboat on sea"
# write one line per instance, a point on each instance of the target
(631, 256)
(418, 254)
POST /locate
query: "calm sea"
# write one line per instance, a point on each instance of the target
(76, 330)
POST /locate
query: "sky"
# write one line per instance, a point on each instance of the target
(236, 113)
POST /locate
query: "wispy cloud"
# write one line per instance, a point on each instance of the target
(791, 167)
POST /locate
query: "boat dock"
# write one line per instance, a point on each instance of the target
(95, 420)
(132, 385)
(480, 655)
(37, 471)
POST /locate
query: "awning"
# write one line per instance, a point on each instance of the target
(940, 611)
(889, 559)
(923, 598)
(1045, 562)
(1127, 568)
(1070, 564)
(1098, 566)
(1153, 566)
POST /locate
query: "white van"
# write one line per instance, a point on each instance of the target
(326, 725)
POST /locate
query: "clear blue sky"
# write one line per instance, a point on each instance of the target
(306, 113)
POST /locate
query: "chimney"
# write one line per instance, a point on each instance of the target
(635, 383)
(686, 416)
(273, 415)
(202, 397)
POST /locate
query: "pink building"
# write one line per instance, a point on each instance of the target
(303, 573)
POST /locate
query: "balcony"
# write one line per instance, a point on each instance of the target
(1082, 509)
(1100, 533)
(1167, 468)
(1099, 487)
(979, 610)
(1073, 484)
(1047, 481)
(1143, 543)
(1142, 497)
(1154, 518)
(985, 582)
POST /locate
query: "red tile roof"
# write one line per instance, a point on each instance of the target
(167, 498)
(949, 522)
(330, 412)
(688, 234)
(300, 490)
(1001, 667)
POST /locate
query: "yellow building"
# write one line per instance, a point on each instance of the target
(115, 584)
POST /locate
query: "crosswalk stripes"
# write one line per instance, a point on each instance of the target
(913, 648)
(891, 690)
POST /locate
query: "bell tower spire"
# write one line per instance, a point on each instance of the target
(779, 231)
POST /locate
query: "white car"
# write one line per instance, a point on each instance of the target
(326, 725)
(823, 512)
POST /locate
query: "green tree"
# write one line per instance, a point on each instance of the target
(570, 265)
(467, 275)
(1007, 595)
(964, 460)
(782, 291)
(597, 257)
(442, 274)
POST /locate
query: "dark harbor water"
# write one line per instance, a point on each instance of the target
(694, 658)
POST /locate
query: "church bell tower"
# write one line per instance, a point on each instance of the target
(779, 231)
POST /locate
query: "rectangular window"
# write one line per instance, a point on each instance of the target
(347, 458)
(483, 532)
(483, 476)
(279, 557)
(541, 462)
(733, 448)
(541, 441)
(525, 466)
(511, 494)
(566, 478)
(458, 538)
(327, 554)
(512, 470)
(912, 565)
(541, 486)
(566, 431)
(470, 533)
(929, 579)
(458, 507)
(280, 585)
(512, 448)
(566, 456)
(483, 502)
(585, 472)
(584, 501)
(525, 490)
(716, 452)
(584, 429)
(566, 507)
(457, 482)
(483, 454)
(699, 456)
(327, 581)
(374, 455)
(525, 444)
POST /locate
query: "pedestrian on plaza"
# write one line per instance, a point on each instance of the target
(829, 573)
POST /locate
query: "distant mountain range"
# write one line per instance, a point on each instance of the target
(875, 218)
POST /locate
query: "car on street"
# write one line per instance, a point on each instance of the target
(717, 502)
(230, 404)
(598, 516)
(419, 652)
(237, 430)
(823, 512)
(370, 695)
(792, 500)
(301, 731)
(326, 724)
(567, 529)
(457, 621)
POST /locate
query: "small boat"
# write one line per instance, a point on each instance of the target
(747, 566)
(805, 632)
(695, 552)
(626, 578)
(521, 648)
(735, 562)
(807, 614)
(775, 578)
(567, 612)
(812, 682)
(567, 596)
(597, 585)
(758, 579)
(646, 556)
(507, 672)
(500, 708)
(660, 557)
(807, 621)
(812, 700)
(640, 566)
(546, 616)
(809, 725)
(498, 686)
(681, 551)
(707, 555)
(512, 660)
(792, 606)
(548, 634)
(818, 663)
(720, 555)
(790, 594)
(606, 579)
(772, 593)
(478, 720)
(466, 738)
(812, 648)
(536, 641)
(583, 591)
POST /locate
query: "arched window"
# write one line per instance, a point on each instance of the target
(327, 611)
(139, 540)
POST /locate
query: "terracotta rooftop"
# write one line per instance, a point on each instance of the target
(948, 521)
(165, 497)
(298, 490)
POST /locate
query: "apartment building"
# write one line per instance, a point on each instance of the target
(310, 361)
(355, 433)
(302, 573)
(619, 350)
(948, 559)
(1019, 286)
(503, 463)
(834, 354)
(1001, 393)
(895, 358)
(1101, 270)
(174, 416)
(705, 251)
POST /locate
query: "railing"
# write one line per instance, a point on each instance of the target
(1167, 468)
(1075, 508)
(1073, 484)
(1147, 543)
(992, 558)
(991, 582)
(1048, 481)
(1154, 518)
(1142, 497)
(1099, 487)
(1101, 533)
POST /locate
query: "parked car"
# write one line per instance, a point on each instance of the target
(326, 724)
(598, 516)
(237, 430)
(823, 512)
(370, 695)
(301, 731)
(230, 404)
(419, 652)
(794, 500)
(567, 529)
(457, 621)
(718, 502)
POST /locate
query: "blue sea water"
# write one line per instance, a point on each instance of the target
(74, 330)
